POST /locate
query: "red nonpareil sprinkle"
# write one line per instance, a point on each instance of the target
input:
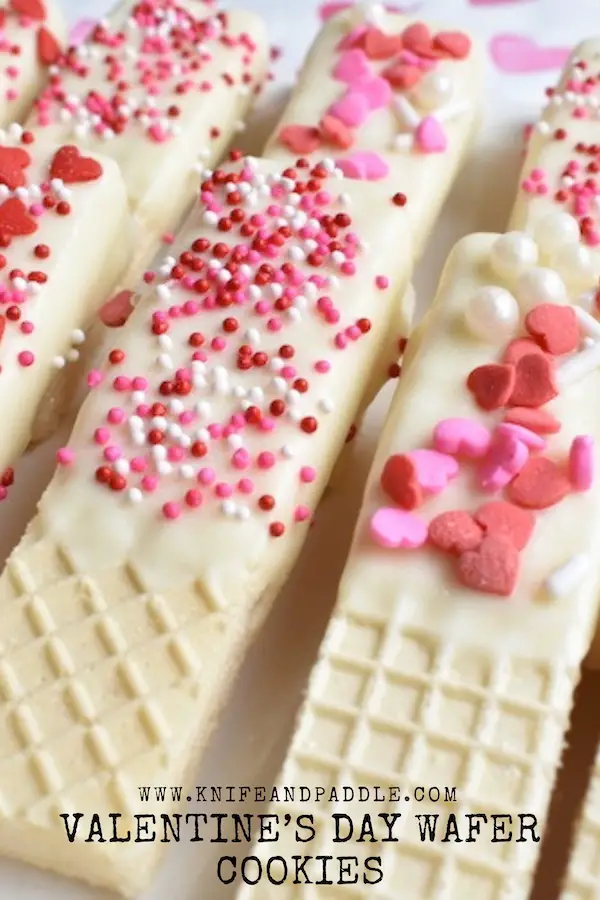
(399, 199)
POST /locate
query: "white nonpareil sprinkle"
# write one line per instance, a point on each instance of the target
(59, 362)
(77, 336)
(287, 451)
(135, 495)
(569, 576)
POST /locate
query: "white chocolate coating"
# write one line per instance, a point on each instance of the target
(421, 682)
(424, 177)
(558, 163)
(29, 74)
(161, 172)
(89, 249)
(167, 607)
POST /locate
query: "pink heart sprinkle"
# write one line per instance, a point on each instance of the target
(353, 68)
(517, 53)
(378, 93)
(365, 166)
(434, 469)
(505, 459)
(352, 109)
(430, 136)
(462, 437)
(81, 31)
(397, 528)
(530, 438)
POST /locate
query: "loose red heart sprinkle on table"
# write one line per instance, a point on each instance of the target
(12, 162)
(492, 568)
(71, 167)
(534, 381)
(554, 327)
(14, 219)
(540, 483)
(32, 9)
(500, 518)
(455, 532)
(492, 385)
(303, 139)
(400, 481)
(48, 48)
(518, 348)
(538, 420)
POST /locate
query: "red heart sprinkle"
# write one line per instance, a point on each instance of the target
(534, 382)
(455, 532)
(117, 310)
(453, 43)
(335, 132)
(518, 348)
(15, 220)
(492, 385)
(300, 138)
(402, 76)
(506, 520)
(400, 482)
(70, 166)
(12, 162)
(379, 45)
(33, 9)
(48, 47)
(538, 420)
(417, 39)
(493, 568)
(540, 483)
(554, 327)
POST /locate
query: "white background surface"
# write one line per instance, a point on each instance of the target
(250, 742)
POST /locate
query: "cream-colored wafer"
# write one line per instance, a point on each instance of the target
(393, 99)
(66, 237)
(32, 36)
(188, 486)
(161, 88)
(454, 669)
(583, 878)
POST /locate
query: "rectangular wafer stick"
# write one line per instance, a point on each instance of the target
(582, 881)
(66, 237)
(32, 36)
(161, 88)
(182, 501)
(467, 604)
(389, 98)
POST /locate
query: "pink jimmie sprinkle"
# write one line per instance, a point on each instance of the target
(581, 463)
(171, 510)
(65, 456)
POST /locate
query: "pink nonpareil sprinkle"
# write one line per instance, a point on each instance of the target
(581, 463)
(94, 378)
(65, 456)
(171, 510)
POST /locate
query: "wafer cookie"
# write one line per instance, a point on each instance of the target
(32, 37)
(161, 88)
(461, 621)
(66, 236)
(183, 498)
(390, 98)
